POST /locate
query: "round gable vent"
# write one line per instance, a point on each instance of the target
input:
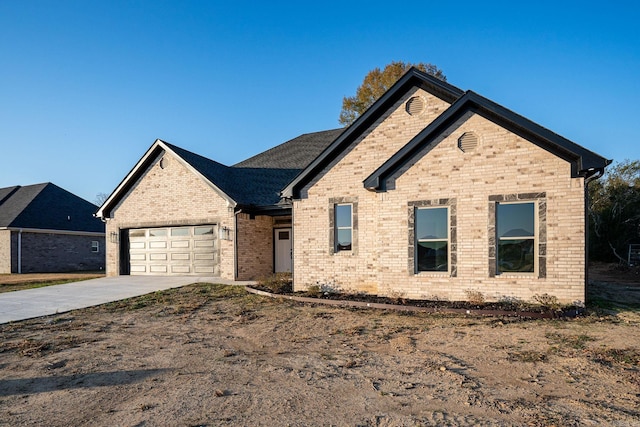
(468, 142)
(415, 106)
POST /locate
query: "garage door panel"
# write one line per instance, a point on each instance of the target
(177, 250)
(203, 243)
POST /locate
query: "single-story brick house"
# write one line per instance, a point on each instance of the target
(433, 192)
(46, 229)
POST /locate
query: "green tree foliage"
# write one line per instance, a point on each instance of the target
(376, 83)
(614, 212)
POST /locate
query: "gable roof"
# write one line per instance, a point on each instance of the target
(296, 153)
(46, 207)
(253, 184)
(412, 78)
(583, 162)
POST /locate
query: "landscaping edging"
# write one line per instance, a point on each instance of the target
(440, 310)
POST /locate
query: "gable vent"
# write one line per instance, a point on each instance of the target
(468, 142)
(415, 106)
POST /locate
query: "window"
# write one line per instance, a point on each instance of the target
(202, 231)
(344, 227)
(515, 226)
(158, 232)
(432, 239)
(179, 232)
(95, 246)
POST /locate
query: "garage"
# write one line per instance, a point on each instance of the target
(185, 250)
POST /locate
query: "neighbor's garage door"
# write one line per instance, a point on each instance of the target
(174, 250)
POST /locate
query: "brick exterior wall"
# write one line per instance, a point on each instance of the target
(502, 164)
(54, 253)
(50, 252)
(5, 251)
(169, 196)
(255, 236)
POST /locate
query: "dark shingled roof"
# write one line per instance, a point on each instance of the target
(296, 153)
(46, 206)
(258, 180)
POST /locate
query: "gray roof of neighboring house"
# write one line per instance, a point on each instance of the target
(48, 207)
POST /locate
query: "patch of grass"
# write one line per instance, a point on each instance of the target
(278, 283)
(10, 287)
(575, 342)
(622, 356)
(176, 297)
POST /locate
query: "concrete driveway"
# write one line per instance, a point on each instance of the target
(30, 303)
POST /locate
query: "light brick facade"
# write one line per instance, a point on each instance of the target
(502, 165)
(255, 237)
(170, 195)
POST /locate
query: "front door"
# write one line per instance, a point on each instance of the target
(282, 250)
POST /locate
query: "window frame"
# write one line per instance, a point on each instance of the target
(95, 246)
(452, 234)
(539, 201)
(418, 240)
(338, 228)
(532, 237)
(333, 225)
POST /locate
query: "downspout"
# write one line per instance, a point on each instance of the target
(588, 179)
(20, 251)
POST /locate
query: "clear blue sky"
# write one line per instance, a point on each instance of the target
(87, 86)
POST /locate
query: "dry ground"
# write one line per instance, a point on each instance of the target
(213, 355)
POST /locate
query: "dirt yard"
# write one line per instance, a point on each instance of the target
(209, 355)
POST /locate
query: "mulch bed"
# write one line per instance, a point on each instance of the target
(429, 306)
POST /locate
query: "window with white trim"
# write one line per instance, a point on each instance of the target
(432, 239)
(95, 246)
(516, 237)
(343, 227)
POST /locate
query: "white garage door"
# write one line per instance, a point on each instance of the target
(174, 250)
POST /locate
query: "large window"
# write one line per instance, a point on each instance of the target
(343, 227)
(515, 226)
(432, 239)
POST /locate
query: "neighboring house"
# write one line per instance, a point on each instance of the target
(46, 229)
(432, 193)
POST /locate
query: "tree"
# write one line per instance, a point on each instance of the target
(376, 83)
(101, 198)
(614, 212)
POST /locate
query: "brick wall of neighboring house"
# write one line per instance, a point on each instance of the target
(5, 251)
(503, 166)
(255, 236)
(53, 253)
(169, 196)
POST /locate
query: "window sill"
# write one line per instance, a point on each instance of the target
(533, 275)
(433, 273)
